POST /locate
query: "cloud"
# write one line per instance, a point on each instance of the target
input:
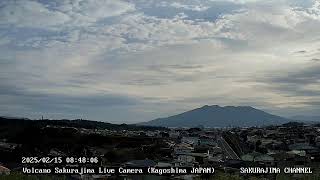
(59, 14)
(24, 13)
(189, 7)
(147, 59)
(301, 52)
(17, 100)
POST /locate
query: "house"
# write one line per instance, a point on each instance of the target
(150, 133)
(302, 146)
(297, 152)
(215, 160)
(190, 140)
(258, 157)
(207, 141)
(250, 156)
(216, 150)
(174, 134)
(197, 158)
(282, 156)
(185, 160)
(265, 158)
(183, 148)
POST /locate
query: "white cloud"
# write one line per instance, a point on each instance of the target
(90, 11)
(30, 14)
(193, 7)
(88, 47)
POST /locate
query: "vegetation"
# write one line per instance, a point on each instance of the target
(78, 123)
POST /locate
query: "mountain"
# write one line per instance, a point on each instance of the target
(23, 123)
(217, 116)
(306, 118)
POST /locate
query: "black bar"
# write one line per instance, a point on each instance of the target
(118, 170)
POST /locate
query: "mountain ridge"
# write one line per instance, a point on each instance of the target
(219, 116)
(306, 118)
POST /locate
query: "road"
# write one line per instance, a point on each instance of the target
(230, 154)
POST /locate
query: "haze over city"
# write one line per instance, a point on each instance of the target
(137, 60)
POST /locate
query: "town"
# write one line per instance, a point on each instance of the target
(230, 151)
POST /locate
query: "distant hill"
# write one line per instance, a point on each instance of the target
(306, 118)
(217, 116)
(21, 123)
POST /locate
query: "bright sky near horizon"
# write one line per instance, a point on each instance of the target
(137, 60)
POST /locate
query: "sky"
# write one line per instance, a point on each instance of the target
(128, 61)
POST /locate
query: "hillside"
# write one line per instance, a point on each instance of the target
(21, 123)
(217, 116)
